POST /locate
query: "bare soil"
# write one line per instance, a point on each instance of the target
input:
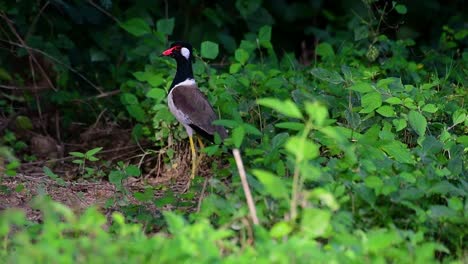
(79, 192)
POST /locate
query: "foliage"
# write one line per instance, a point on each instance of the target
(81, 159)
(358, 157)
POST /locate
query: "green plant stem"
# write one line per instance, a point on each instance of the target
(297, 175)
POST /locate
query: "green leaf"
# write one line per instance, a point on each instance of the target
(92, 152)
(394, 100)
(463, 140)
(280, 229)
(128, 99)
(274, 83)
(241, 56)
(381, 239)
(361, 32)
(154, 79)
(287, 107)
(455, 203)
(441, 212)
(328, 76)
(399, 124)
(132, 170)
(386, 111)
(209, 49)
(430, 108)
(264, 34)
(418, 122)
(92, 158)
(166, 26)
(4, 75)
(458, 117)
(136, 26)
(401, 9)
(302, 148)
(136, 112)
(290, 125)
(431, 146)
(156, 93)
(353, 118)
(315, 221)
(77, 154)
(116, 177)
(370, 102)
(251, 130)
(238, 134)
(325, 50)
(235, 68)
(273, 184)
(226, 122)
(145, 196)
(48, 172)
(399, 152)
(174, 221)
(317, 112)
(247, 8)
(24, 122)
(443, 188)
(362, 87)
(373, 182)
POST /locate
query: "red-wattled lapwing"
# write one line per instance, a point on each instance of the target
(187, 103)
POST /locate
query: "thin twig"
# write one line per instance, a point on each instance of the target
(31, 55)
(103, 95)
(10, 87)
(200, 199)
(57, 61)
(245, 186)
(103, 11)
(36, 18)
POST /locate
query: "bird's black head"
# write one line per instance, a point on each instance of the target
(179, 50)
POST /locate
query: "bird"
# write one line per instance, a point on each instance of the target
(187, 103)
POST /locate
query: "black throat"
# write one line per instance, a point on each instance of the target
(184, 71)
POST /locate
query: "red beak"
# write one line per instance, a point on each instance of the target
(168, 52)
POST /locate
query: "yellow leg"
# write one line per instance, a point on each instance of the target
(200, 142)
(194, 158)
(202, 146)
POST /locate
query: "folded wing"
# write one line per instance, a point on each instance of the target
(193, 103)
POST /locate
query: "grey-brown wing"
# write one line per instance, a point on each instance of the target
(193, 103)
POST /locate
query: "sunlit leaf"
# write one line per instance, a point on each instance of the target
(370, 102)
(209, 49)
(325, 50)
(241, 56)
(386, 111)
(287, 107)
(302, 148)
(273, 184)
(362, 87)
(280, 229)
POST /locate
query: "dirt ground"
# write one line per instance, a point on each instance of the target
(79, 192)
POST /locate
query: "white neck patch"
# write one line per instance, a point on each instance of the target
(187, 82)
(185, 52)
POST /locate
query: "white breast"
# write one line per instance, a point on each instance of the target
(179, 115)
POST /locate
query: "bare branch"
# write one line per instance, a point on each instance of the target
(245, 186)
